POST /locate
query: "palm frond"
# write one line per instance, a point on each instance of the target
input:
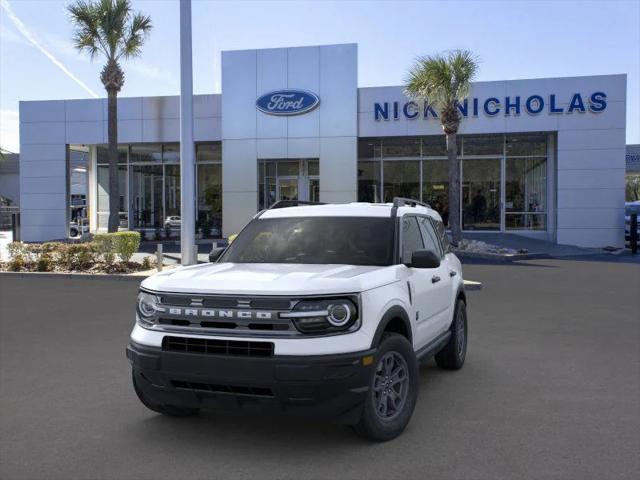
(139, 29)
(442, 80)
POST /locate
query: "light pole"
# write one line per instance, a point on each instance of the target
(187, 148)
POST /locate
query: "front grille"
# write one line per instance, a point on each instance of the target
(217, 347)
(226, 389)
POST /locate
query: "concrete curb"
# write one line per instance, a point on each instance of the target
(500, 258)
(79, 276)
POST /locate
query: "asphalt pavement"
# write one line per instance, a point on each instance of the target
(550, 390)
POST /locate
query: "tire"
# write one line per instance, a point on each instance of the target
(168, 410)
(453, 354)
(381, 420)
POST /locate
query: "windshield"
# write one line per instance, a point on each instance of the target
(318, 240)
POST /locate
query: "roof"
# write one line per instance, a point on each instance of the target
(356, 209)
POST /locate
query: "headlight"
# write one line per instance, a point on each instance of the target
(329, 315)
(147, 307)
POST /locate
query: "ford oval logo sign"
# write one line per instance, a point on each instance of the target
(287, 102)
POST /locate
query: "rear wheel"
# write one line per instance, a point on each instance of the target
(452, 356)
(393, 390)
(169, 410)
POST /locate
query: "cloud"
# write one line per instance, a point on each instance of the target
(22, 28)
(9, 128)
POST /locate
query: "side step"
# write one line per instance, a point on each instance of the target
(433, 347)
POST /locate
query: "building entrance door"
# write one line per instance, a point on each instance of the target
(287, 180)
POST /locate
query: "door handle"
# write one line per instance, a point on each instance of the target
(452, 273)
(435, 279)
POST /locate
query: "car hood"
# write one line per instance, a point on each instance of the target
(271, 279)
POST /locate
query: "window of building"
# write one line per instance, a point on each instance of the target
(209, 189)
(503, 177)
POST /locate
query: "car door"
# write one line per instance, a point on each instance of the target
(420, 281)
(442, 283)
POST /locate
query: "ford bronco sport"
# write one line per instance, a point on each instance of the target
(315, 310)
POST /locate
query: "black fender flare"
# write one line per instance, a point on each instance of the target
(394, 312)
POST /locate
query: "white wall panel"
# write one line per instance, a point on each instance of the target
(240, 167)
(237, 210)
(591, 217)
(591, 237)
(85, 133)
(271, 148)
(91, 110)
(303, 147)
(207, 106)
(600, 159)
(304, 74)
(160, 107)
(42, 111)
(338, 166)
(339, 90)
(161, 130)
(44, 168)
(238, 100)
(591, 139)
(271, 74)
(41, 153)
(568, 179)
(42, 133)
(591, 197)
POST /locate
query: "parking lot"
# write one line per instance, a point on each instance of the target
(551, 389)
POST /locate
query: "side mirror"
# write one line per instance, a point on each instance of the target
(424, 259)
(214, 255)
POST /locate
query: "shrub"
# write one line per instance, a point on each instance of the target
(16, 263)
(126, 244)
(16, 249)
(143, 235)
(105, 244)
(78, 256)
(147, 263)
(45, 263)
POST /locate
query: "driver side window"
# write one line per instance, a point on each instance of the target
(411, 238)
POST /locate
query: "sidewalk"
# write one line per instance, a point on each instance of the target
(532, 245)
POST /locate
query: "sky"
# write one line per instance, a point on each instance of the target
(512, 39)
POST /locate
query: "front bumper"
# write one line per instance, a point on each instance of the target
(320, 386)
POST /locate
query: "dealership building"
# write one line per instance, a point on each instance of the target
(543, 157)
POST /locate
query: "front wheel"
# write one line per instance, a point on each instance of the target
(393, 390)
(452, 356)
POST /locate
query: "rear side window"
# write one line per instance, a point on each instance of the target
(411, 238)
(429, 236)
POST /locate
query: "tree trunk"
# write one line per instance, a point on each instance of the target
(114, 193)
(454, 189)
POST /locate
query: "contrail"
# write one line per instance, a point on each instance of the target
(27, 34)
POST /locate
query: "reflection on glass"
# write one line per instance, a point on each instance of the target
(171, 153)
(523, 144)
(401, 147)
(435, 146)
(401, 179)
(210, 199)
(369, 182)
(435, 186)
(481, 194)
(288, 189)
(209, 152)
(525, 193)
(483, 145)
(102, 152)
(103, 195)
(146, 192)
(172, 190)
(146, 152)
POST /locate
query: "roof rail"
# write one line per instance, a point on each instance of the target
(293, 203)
(408, 202)
(405, 202)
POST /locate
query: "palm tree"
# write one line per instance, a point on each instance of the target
(112, 29)
(444, 81)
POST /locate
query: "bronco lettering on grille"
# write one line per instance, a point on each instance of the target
(213, 313)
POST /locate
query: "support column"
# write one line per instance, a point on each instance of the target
(187, 147)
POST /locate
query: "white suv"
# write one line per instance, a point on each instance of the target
(316, 310)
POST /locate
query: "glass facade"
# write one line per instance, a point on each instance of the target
(149, 176)
(503, 180)
(503, 177)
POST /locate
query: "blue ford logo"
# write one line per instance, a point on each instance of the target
(287, 102)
